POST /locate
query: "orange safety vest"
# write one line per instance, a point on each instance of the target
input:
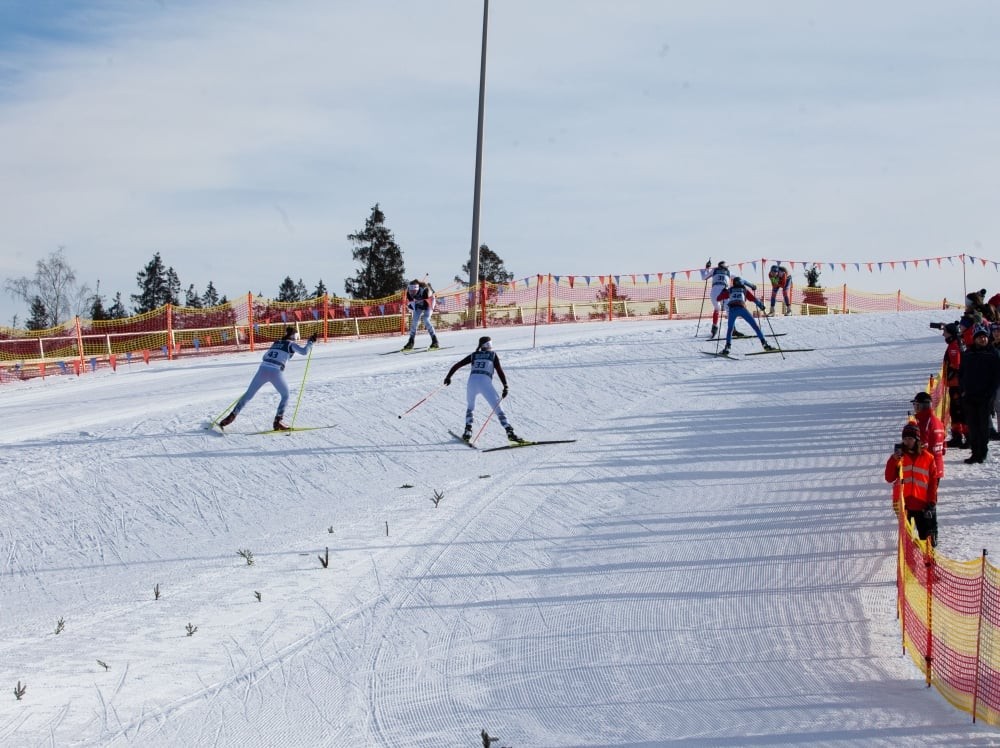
(917, 475)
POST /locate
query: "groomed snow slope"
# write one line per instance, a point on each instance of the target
(712, 563)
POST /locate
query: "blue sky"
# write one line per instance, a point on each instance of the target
(245, 141)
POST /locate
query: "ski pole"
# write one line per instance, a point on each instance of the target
(221, 415)
(302, 386)
(483, 427)
(776, 343)
(423, 400)
(704, 295)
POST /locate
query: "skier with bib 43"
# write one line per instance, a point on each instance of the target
(271, 370)
(484, 362)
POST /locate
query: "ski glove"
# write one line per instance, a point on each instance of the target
(760, 305)
(447, 381)
(504, 392)
(312, 338)
(708, 265)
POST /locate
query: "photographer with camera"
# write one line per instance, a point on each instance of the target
(914, 471)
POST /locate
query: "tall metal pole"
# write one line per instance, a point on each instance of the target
(477, 193)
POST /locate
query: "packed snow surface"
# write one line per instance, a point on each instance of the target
(712, 562)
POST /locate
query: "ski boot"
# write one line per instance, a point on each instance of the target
(409, 344)
(512, 436)
(227, 420)
(279, 425)
(788, 310)
(467, 434)
(715, 331)
(434, 343)
(724, 351)
(769, 347)
(738, 334)
(771, 313)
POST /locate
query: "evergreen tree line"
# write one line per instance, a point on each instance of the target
(54, 296)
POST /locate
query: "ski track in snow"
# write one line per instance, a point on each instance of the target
(712, 562)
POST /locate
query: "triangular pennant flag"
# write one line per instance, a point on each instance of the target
(571, 279)
(659, 277)
(587, 278)
(646, 276)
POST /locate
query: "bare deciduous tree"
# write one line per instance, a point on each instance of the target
(54, 285)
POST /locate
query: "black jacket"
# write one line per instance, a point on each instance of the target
(979, 376)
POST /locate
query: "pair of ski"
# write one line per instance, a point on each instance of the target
(512, 445)
(732, 357)
(750, 337)
(219, 430)
(411, 351)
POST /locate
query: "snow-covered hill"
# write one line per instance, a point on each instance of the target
(711, 563)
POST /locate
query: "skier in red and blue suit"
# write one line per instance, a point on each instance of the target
(735, 298)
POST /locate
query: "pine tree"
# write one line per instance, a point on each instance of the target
(288, 291)
(117, 310)
(210, 297)
(191, 298)
(39, 315)
(154, 290)
(320, 291)
(97, 311)
(491, 268)
(382, 272)
(173, 287)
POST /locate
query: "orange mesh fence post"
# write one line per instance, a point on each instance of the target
(113, 361)
(930, 574)
(326, 316)
(549, 290)
(250, 320)
(79, 338)
(170, 331)
(843, 303)
(900, 562)
(482, 302)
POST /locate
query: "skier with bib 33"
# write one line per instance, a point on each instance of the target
(484, 362)
(271, 370)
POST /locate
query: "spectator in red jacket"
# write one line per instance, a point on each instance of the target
(931, 429)
(914, 470)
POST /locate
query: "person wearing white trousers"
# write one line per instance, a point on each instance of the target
(484, 362)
